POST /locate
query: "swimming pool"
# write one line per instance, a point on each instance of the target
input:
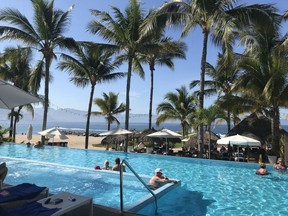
(102, 186)
(209, 187)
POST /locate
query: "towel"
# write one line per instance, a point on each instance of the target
(20, 192)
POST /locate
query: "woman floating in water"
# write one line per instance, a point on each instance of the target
(280, 165)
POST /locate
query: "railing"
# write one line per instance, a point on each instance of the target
(124, 162)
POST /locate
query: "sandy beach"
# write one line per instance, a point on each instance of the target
(74, 141)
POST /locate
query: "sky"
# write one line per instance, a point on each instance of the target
(64, 94)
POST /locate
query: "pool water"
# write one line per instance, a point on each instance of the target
(209, 187)
(102, 186)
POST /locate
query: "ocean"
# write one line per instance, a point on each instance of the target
(98, 127)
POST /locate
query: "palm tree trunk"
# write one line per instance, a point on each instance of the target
(46, 95)
(276, 130)
(11, 122)
(88, 116)
(229, 120)
(151, 96)
(16, 119)
(128, 100)
(209, 147)
(183, 130)
(14, 130)
(201, 94)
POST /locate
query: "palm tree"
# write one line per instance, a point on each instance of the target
(124, 32)
(166, 51)
(109, 107)
(208, 116)
(2, 132)
(177, 106)
(15, 66)
(223, 75)
(220, 18)
(16, 116)
(265, 70)
(91, 65)
(45, 36)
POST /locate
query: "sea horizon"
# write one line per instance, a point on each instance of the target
(99, 127)
(75, 121)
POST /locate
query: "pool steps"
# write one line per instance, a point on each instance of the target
(148, 199)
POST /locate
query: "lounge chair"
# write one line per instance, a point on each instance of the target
(21, 194)
(240, 157)
(30, 209)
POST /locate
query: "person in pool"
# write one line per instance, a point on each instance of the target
(117, 165)
(159, 180)
(280, 165)
(262, 170)
(106, 165)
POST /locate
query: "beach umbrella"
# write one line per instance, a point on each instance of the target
(53, 133)
(238, 140)
(11, 96)
(165, 133)
(116, 131)
(29, 132)
(185, 140)
(47, 131)
(57, 134)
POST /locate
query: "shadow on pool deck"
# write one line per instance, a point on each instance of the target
(100, 210)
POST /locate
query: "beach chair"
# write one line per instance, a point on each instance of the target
(30, 209)
(21, 194)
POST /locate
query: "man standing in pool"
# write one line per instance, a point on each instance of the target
(159, 180)
(117, 165)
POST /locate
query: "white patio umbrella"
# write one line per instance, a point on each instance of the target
(116, 131)
(239, 140)
(53, 133)
(29, 132)
(185, 140)
(57, 134)
(11, 96)
(165, 133)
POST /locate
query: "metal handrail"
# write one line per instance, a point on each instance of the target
(139, 178)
